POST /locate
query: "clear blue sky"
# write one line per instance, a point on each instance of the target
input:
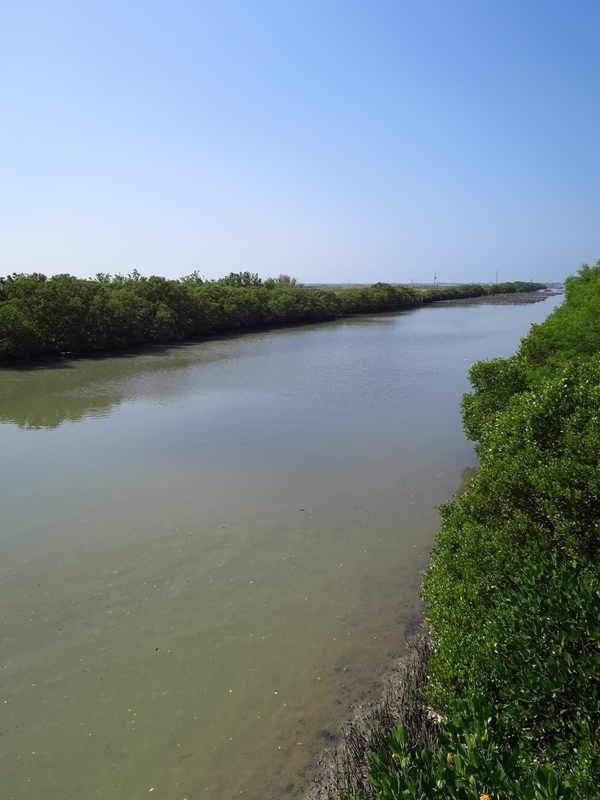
(333, 140)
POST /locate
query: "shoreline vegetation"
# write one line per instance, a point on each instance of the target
(499, 695)
(64, 315)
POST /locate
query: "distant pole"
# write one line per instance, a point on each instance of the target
(434, 278)
(496, 276)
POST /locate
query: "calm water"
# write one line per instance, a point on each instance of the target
(210, 551)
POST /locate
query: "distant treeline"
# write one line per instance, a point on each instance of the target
(42, 316)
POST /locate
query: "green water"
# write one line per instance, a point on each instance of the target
(210, 551)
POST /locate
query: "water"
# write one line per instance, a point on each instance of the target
(210, 551)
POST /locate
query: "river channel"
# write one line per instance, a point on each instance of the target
(210, 551)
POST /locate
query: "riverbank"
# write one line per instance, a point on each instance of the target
(346, 766)
(54, 316)
(504, 298)
(513, 585)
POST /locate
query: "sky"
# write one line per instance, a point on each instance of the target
(331, 140)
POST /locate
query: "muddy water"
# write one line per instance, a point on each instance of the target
(209, 551)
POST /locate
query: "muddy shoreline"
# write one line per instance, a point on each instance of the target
(513, 298)
(346, 765)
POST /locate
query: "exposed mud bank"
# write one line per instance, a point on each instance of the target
(347, 764)
(499, 299)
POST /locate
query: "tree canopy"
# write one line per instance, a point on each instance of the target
(49, 316)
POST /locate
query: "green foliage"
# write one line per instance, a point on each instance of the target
(571, 332)
(287, 282)
(494, 383)
(513, 589)
(472, 760)
(377, 298)
(40, 316)
(386, 297)
(240, 279)
(537, 491)
(545, 643)
(18, 335)
(531, 727)
(477, 290)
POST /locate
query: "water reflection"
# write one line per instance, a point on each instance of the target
(45, 394)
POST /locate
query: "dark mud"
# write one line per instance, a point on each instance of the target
(347, 764)
(514, 298)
